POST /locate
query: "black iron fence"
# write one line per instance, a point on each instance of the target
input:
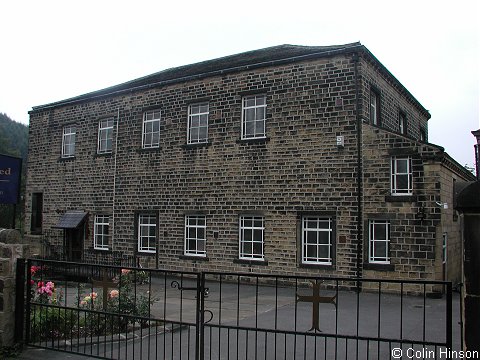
(131, 313)
(52, 248)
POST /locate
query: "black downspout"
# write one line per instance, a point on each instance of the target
(359, 173)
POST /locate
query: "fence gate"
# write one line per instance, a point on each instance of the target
(133, 313)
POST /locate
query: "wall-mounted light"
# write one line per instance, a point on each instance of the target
(444, 205)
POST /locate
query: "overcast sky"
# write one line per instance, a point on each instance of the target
(53, 50)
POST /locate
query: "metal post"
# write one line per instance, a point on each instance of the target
(200, 317)
(27, 305)
(449, 317)
(19, 300)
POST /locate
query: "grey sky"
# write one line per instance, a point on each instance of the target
(53, 50)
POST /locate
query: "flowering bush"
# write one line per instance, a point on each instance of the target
(122, 308)
(126, 305)
(47, 321)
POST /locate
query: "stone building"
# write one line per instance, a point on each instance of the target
(290, 159)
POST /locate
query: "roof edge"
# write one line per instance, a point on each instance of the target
(124, 88)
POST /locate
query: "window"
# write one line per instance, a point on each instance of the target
(101, 234)
(68, 141)
(374, 108)
(37, 213)
(253, 116)
(147, 233)
(401, 176)
(316, 240)
(423, 135)
(379, 242)
(195, 235)
(402, 123)
(105, 136)
(251, 237)
(444, 248)
(151, 129)
(197, 127)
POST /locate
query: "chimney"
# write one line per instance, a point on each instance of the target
(476, 133)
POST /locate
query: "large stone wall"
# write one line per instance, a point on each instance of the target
(298, 169)
(10, 250)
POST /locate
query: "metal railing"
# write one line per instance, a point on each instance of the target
(132, 313)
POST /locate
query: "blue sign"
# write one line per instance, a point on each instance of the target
(10, 173)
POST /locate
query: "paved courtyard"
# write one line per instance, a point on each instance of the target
(254, 321)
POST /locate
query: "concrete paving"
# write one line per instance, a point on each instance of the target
(233, 311)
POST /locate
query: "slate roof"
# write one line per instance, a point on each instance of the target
(275, 55)
(71, 219)
(232, 63)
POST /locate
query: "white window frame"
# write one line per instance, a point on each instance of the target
(192, 223)
(395, 174)
(151, 119)
(105, 133)
(101, 236)
(374, 107)
(197, 113)
(306, 229)
(68, 141)
(246, 110)
(373, 240)
(147, 243)
(444, 248)
(402, 123)
(247, 225)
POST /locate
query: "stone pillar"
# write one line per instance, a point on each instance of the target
(468, 203)
(11, 249)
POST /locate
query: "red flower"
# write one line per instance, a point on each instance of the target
(40, 284)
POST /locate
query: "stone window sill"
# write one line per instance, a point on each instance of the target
(400, 198)
(196, 145)
(253, 141)
(194, 258)
(379, 267)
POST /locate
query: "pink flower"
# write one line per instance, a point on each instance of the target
(125, 271)
(50, 285)
(93, 295)
(113, 294)
(34, 269)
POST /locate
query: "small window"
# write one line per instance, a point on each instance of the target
(379, 242)
(147, 233)
(68, 141)
(151, 129)
(101, 234)
(423, 135)
(402, 176)
(374, 107)
(317, 240)
(37, 213)
(197, 127)
(195, 235)
(402, 123)
(253, 117)
(105, 136)
(251, 237)
(444, 248)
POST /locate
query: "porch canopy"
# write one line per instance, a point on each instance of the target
(71, 219)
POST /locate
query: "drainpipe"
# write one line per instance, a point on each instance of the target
(115, 176)
(355, 59)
